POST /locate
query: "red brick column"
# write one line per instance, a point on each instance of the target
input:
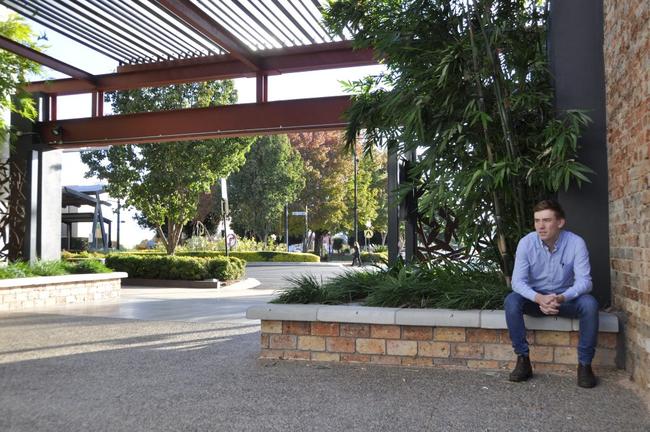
(627, 76)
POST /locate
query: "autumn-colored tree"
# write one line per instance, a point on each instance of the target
(327, 171)
(329, 191)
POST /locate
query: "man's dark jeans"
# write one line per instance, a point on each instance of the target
(584, 307)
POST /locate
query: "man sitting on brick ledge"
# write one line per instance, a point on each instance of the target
(552, 277)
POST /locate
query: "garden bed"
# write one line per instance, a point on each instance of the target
(23, 293)
(423, 337)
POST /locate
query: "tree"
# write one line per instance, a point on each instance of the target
(468, 85)
(164, 180)
(14, 70)
(272, 176)
(368, 192)
(327, 170)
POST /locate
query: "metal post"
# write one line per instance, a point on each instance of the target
(119, 207)
(356, 208)
(286, 225)
(306, 242)
(392, 236)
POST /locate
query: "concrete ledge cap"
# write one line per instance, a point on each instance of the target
(438, 317)
(283, 312)
(53, 280)
(357, 314)
(607, 323)
(487, 319)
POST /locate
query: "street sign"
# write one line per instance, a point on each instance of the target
(232, 240)
(369, 233)
(300, 213)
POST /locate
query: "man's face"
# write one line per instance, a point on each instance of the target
(548, 226)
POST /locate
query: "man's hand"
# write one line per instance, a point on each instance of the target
(549, 304)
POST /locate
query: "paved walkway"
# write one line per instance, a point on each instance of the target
(164, 360)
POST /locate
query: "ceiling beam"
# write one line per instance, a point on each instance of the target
(268, 118)
(317, 57)
(45, 60)
(203, 23)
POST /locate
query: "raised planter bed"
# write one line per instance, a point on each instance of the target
(173, 283)
(423, 337)
(16, 294)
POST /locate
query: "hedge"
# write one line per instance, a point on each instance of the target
(261, 256)
(148, 266)
(51, 268)
(374, 257)
(248, 256)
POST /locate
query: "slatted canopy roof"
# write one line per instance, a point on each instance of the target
(161, 42)
(141, 31)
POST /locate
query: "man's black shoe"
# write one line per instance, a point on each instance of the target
(523, 371)
(586, 377)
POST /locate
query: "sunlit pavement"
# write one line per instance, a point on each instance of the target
(228, 303)
(186, 360)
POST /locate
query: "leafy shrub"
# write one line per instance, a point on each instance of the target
(87, 266)
(51, 268)
(48, 268)
(337, 244)
(259, 256)
(157, 266)
(374, 257)
(306, 289)
(449, 285)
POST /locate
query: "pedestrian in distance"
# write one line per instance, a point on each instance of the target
(356, 254)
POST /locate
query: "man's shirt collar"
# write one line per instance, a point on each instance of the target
(558, 242)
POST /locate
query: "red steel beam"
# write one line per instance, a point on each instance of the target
(322, 56)
(203, 23)
(45, 60)
(268, 118)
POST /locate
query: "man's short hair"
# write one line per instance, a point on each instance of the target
(550, 204)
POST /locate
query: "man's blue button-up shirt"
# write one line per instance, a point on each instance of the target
(566, 270)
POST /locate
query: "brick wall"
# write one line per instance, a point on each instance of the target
(12, 299)
(627, 75)
(423, 346)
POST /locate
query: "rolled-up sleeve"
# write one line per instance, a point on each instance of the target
(582, 283)
(520, 274)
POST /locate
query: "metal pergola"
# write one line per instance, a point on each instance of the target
(160, 42)
(156, 43)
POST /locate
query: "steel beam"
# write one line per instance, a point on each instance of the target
(268, 118)
(203, 23)
(323, 56)
(45, 60)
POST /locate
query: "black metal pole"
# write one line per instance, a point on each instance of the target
(356, 208)
(119, 207)
(286, 225)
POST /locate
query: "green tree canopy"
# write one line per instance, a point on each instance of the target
(14, 70)
(164, 180)
(467, 84)
(272, 176)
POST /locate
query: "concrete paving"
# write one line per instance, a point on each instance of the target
(182, 366)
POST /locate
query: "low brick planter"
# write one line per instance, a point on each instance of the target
(23, 293)
(433, 337)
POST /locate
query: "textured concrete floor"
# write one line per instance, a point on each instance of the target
(88, 373)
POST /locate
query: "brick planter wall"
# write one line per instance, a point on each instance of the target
(627, 82)
(423, 337)
(17, 294)
(423, 345)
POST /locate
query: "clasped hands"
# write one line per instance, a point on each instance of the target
(549, 304)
